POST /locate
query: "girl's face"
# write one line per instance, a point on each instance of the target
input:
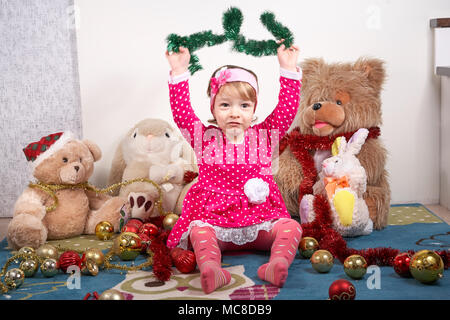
(233, 113)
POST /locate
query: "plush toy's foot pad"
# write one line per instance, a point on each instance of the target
(141, 205)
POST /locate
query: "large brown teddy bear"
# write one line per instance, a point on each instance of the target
(64, 161)
(337, 99)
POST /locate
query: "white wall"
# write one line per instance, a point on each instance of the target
(123, 71)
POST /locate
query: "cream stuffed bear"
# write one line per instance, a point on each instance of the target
(344, 181)
(60, 161)
(152, 149)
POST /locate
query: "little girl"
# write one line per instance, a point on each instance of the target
(236, 204)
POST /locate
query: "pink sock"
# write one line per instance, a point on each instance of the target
(208, 256)
(287, 234)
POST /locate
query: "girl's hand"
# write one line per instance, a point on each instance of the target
(179, 61)
(287, 57)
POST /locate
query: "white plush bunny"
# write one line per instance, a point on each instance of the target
(344, 179)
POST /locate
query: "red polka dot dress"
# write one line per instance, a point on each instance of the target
(218, 198)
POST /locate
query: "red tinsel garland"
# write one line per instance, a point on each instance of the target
(189, 176)
(321, 228)
(162, 263)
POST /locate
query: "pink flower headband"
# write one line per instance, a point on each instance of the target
(225, 75)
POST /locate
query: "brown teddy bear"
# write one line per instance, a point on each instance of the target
(337, 100)
(61, 163)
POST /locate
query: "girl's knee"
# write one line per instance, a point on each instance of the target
(289, 222)
(202, 231)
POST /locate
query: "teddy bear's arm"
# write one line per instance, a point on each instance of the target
(96, 200)
(373, 158)
(31, 201)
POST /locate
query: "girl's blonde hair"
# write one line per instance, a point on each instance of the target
(238, 88)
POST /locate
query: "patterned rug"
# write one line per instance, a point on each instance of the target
(410, 226)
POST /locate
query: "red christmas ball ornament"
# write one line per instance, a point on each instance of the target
(401, 264)
(149, 229)
(175, 252)
(132, 225)
(342, 290)
(145, 241)
(185, 261)
(69, 258)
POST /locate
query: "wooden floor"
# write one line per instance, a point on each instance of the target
(438, 210)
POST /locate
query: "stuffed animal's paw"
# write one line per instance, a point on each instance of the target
(306, 209)
(141, 205)
(26, 230)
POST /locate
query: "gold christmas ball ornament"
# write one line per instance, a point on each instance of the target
(355, 266)
(308, 246)
(29, 267)
(47, 251)
(14, 278)
(426, 266)
(322, 261)
(111, 294)
(89, 267)
(94, 254)
(28, 251)
(104, 230)
(169, 221)
(127, 246)
(49, 267)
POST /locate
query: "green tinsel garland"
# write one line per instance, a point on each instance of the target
(232, 22)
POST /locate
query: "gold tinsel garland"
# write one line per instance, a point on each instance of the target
(51, 190)
(33, 256)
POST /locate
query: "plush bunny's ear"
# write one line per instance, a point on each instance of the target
(357, 140)
(339, 146)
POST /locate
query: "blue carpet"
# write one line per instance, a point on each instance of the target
(39, 287)
(303, 281)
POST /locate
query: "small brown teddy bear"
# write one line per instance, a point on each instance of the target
(61, 163)
(337, 100)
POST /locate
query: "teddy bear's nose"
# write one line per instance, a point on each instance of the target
(317, 106)
(76, 168)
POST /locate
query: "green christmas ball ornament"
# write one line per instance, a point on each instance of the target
(29, 267)
(322, 261)
(28, 251)
(47, 251)
(111, 294)
(427, 266)
(308, 246)
(14, 278)
(49, 267)
(355, 266)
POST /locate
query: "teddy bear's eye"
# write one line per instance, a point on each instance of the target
(81, 160)
(338, 102)
(167, 135)
(65, 159)
(134, 135)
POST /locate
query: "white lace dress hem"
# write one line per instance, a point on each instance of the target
(238, 236)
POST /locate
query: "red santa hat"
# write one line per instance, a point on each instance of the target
(38, 151)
